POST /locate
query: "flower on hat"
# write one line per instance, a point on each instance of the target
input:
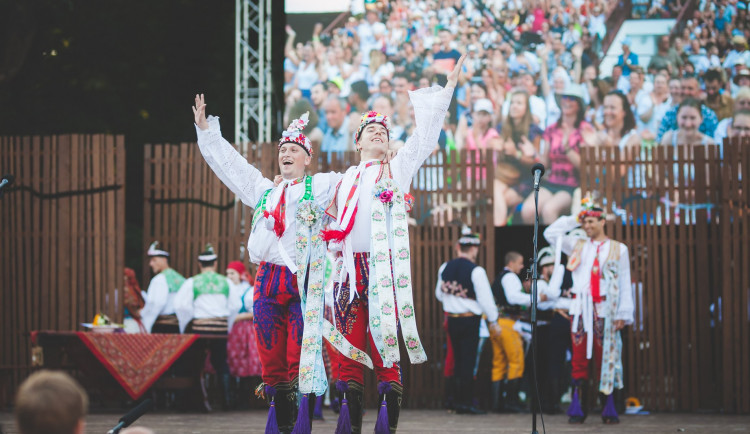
(293, 134)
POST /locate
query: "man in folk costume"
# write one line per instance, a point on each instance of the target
(373, 277)
(286, 244)
(602, 305)
(202, 307)
(158, 313)
(464, 290)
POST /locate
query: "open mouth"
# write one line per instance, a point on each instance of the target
(287, 163)
(378, 140)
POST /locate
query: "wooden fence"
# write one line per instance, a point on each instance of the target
(683, 213)
(186, 205)
(62, 240)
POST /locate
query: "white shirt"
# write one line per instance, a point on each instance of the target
(158, 301)
(249, 185)
(582, 274)
(236, 299)
(205, 306)
(484, 303)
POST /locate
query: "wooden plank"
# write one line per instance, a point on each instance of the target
(98, 180)
(120, 214)
(62, 235)
(114, 275)
(148, 225)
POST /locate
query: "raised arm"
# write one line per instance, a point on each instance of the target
(232, 168)
(430, 107)
(558, 229)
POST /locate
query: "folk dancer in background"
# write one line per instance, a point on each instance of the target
(602, 305)
(554, 330)
(373, 277)
(464, 290)
(286, 244)
(507, 346)
(202, 307)
(242, 348)
(158, 313)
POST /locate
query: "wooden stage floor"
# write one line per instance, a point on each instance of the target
(420, 421)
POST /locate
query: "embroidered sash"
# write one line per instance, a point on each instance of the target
(390, 273)
(310, 256)
(611, 366)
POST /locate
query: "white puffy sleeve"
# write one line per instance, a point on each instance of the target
(438, 287)
(626, 306)
(430, 106)
(183, 304)
(232, 168)
(484, 293)
(557, 230)
(156, 299)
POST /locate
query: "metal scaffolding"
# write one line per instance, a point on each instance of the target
(253, 85)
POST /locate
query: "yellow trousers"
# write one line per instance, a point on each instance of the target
(507, 352)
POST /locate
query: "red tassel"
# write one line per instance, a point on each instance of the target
(340, 235)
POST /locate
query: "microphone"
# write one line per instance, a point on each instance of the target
(7, 180)
(538, 171)
(132, 416)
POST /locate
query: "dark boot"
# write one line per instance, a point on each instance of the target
(577, 409)
(226, 389)
(497, 396)
(354, 397)
(465, 394)
(393, 404)
(450, 393)
(512, 402)
(286, 407)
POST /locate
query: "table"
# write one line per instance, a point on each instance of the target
(108, 364)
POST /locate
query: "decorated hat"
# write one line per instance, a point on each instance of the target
(208, 254)
(154, 250)
(373, 117)
(468, 238)
(293, 134)
(546, 256)
(590, 209)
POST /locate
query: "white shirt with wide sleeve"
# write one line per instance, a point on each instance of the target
(249, 184)
(582, 274)
(158, 301)
(484, 303)
(430, 106)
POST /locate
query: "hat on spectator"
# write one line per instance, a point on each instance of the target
(741, 5)
(484, 105)
(743, 73)
(154, 250)
(293, 134)
(627, 41)
(372, 117)
(574, 90)
(546, 256)
(468, 238)
(739, 40)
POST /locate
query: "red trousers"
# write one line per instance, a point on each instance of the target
(278, 323)
(579, 362)
(352, 320)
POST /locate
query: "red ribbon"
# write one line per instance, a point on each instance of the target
(596, 277)
(339, 235)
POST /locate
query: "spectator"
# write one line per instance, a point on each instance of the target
(538, 107)
(640, 100)
(688, 121)
(358, 98)
(627, 59)
(741, 79)
(738, 52)
(338, 137)
(666, 57)
(689, 88)
(741, 103)
(619, 124)
(661, 101)
(378, 69)
(318, 96)
(51, 403)
(520, 145)
(722, 104)
(562, 158)
(740, 126)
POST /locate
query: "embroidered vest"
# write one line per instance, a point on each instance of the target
(503, 306)
(209, 283)
(174, 280)
(457, 278)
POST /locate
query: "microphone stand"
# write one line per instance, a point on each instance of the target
(534, 278)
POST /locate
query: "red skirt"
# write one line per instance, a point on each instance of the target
(242, 350)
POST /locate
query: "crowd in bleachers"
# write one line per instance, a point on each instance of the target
(532, 88)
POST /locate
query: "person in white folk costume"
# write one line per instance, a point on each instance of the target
(602, 305)
(372, 290)
(286, 244)
(158, 314)
(202, 307)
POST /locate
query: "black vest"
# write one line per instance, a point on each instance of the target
(500, 300)
(457, 278)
